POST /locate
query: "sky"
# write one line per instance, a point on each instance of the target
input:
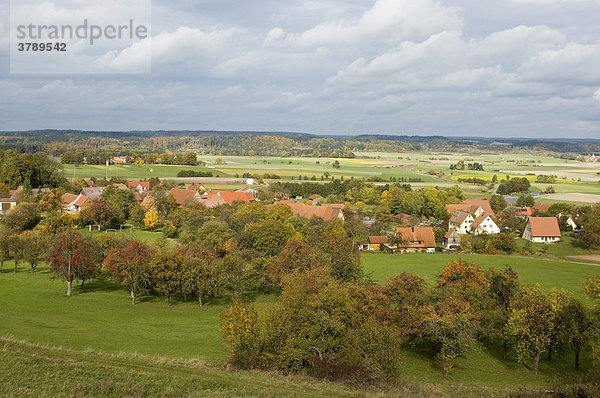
(503, 68)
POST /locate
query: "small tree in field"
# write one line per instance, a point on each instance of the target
(130, 266)
(71, 258)
(530, 324)
(202, 275)
(239, 328)
(6, 238)
(35, 244)
(165, 270)
(151, 220)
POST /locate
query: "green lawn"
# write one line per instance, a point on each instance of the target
(547, 272)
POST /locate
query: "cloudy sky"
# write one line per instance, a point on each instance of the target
(502, 68)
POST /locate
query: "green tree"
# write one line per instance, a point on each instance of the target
(165, 272)
(22, 217)
(203, 275)
(268, 236)
(36, 244)
(530, 324)
(497, 203)
(591, 229)
(239, 329)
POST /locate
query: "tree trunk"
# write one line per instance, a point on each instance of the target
(550, 349)
(200, 300)
(505, 348)
(132, 297)
(16, 265)
(69, 287)
(577, 354)
(168, 299)
(82, 282)
(536, 362)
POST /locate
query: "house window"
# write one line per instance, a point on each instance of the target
(5, 206)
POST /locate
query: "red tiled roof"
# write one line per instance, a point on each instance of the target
(323, 212)
(313, 197)
(478, 221)
(449, 233)
(15, 192)
(182, 195)
(459, 217)
(378, 240)
(542, 208)
(421, 237)
(134, 184)
(230, 197)
(524, 211)
(81, 200)
(335, 205)
(68, 198)
(470, 206)
(544, 226)
(148, 202)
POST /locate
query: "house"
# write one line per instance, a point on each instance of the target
(416, 239)
(568, 219)
(182, 196)
(323, 212)
(484, 225)
(523, 211)
(6, 204)
(374, 243)
(217, 198)
(452, 239)
(197, 187)
(542, 230)
(75, 203)
(140, 186)
(473, 206)
(92, 192)
(316, 199)
(119, 160)
(148, 202)
(461, 222)
(540, 208)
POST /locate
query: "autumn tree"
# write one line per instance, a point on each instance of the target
(268, 236)
(151, 220)
(6, 237)
(239, 328)
(22, 217)
(504, 287)
(165, 272)
(130, 266)
(203, 275)
(70, 257)
(36, 244)
(530, 324)
(99, 212)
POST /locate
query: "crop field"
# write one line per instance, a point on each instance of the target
(425, 170)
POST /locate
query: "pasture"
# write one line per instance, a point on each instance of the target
(99, 319)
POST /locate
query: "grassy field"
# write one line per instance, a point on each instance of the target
(545, 271)
(98, 322)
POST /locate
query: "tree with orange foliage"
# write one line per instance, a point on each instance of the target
(129, 265)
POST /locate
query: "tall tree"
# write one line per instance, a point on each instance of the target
(130, 266)
(165, 271)
(203, 275)
(530, 324)
(36, 244)
(71, 258)
(100, 212)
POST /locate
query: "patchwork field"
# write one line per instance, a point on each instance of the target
(575, 181)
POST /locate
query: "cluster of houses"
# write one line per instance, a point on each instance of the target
(141, 189)
(470, 217)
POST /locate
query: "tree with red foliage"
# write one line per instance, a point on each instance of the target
(129, 265)
(100, 213)
(71, 258)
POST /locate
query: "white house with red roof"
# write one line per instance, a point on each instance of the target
(461, 222)
(542, 230)
(484, 225)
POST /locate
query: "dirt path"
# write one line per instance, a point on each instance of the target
(591, 257)
(573, 197)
